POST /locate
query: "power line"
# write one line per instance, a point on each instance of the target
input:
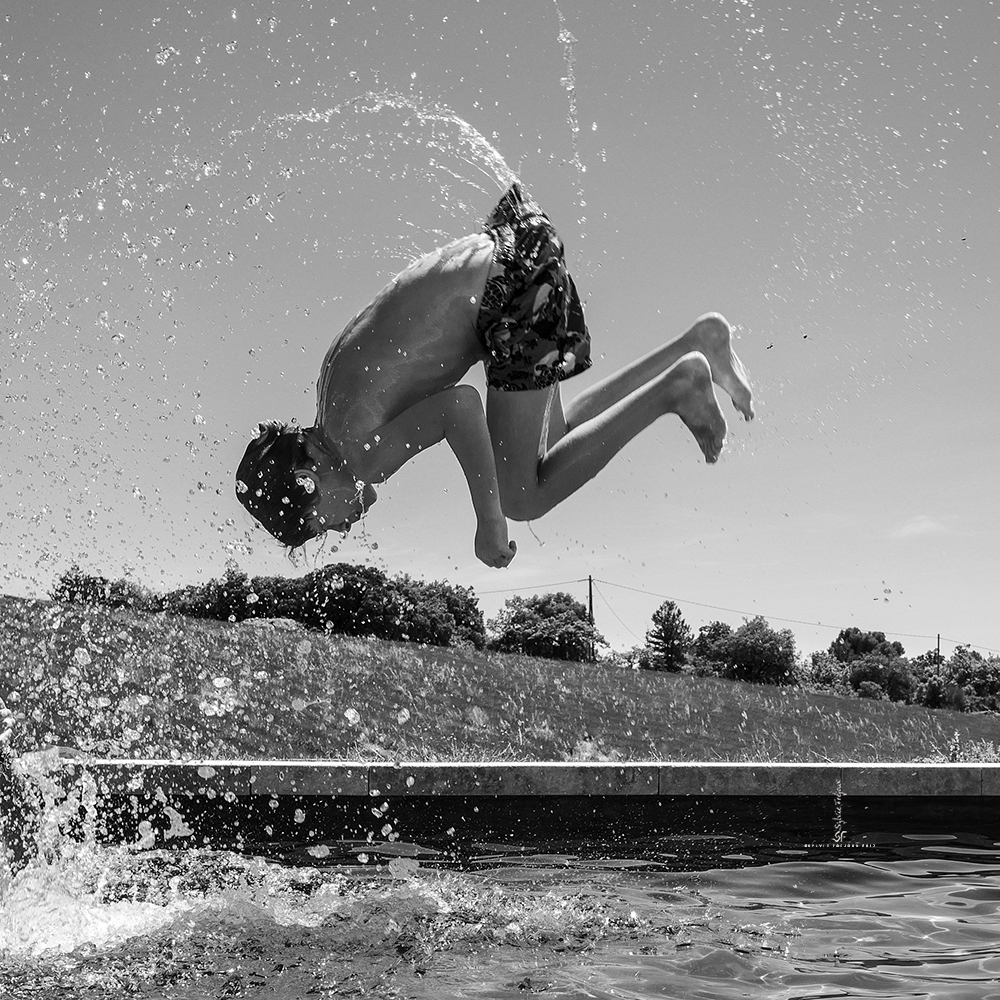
(534, 586)
(778, 618)
(607, 604)
(714, 607)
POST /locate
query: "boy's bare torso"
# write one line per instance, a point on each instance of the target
(415, 339)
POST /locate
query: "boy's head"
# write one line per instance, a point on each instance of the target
(295, 487)
(266, 483)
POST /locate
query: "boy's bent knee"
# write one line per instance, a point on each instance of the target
(711, 322)
(523, 505)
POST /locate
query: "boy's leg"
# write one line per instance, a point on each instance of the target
(542, 457)
(711, 336)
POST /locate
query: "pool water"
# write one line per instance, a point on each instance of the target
(909, 916)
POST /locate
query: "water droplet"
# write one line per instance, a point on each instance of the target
(165, 53)
(231, 47)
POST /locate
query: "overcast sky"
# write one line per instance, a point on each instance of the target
(194, 202)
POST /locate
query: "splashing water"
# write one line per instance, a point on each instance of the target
(84, 916)
(86, 920)
(567, 41)
(433, 126)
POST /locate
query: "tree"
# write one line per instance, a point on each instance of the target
(123, 593)
(551, 625)
(231, 594)
(439, 613)
(276, 597)
(669, 638)
(824, 670)
(424, 615)
(76, 587)
(977, 677)
(760, 654)
(713, 644)
(852, 644)
(876, 675)
(352, 600)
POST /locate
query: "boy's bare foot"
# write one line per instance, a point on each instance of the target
(693, 400)
(712, 336)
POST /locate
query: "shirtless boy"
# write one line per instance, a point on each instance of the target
(389, 388)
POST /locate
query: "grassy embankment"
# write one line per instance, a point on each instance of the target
(118, 684)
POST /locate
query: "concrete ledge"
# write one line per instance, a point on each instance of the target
(749, 779)
(964, 780)
(128, 777)
(472, 779)
(513, 779)
(307, 778)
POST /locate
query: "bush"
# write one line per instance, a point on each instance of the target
(871, 689)
(892, 677)
(711, 649)
(636, 658)
(77, 587)
(852, 644)
(965, 679)
(937, 692)
(549, 625)
(823, 670)
(759, 654)
(343, 598)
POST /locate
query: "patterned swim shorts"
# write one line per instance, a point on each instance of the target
(530, 319)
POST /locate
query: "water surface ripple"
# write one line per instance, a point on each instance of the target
(187, 924)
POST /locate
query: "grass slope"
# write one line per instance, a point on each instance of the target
(114, 683)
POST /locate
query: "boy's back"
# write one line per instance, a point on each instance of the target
(416, 338)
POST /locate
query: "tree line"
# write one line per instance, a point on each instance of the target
(863, 664)
(360, 600)
(349, 599)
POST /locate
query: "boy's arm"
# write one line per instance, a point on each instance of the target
(455, 415)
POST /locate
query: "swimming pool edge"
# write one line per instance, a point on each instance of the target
(277, 778)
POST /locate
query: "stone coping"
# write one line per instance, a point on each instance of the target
(342, 778)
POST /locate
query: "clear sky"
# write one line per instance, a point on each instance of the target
(194, 198)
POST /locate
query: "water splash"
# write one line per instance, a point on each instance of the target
(438, 129)
(567, 41)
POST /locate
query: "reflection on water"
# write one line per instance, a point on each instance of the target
(914, 918)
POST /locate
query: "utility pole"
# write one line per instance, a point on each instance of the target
(590, 614)
(938, 657)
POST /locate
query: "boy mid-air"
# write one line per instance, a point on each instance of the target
(389, 388)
